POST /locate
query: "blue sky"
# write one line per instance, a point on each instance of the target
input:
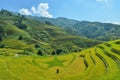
(89, 10)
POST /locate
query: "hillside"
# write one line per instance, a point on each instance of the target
(59, 40)
(101, 62)
(32, 36)
(93, 30)
(60, 21)
(97, 30)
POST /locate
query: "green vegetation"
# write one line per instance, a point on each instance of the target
(35, 37)
(97, 63)
(93, 30)
(62, 22)
(33, 50)
(96, 30)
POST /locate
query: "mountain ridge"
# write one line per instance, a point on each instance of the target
(93, 30)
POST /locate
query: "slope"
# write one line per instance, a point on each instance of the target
(60, 21)
(32, 36)
(93, 30)
(101, 62)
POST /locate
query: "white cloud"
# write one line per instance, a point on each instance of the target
(24, 11)
(42, 9)
(113, 22)
(33, 9)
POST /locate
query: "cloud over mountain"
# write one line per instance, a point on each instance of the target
(24, 11)
(41, 9)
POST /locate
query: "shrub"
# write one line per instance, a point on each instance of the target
(20, 38)
(20, 25)
(58, 51)
(37, 46)
(53, 53)
(48, 23)
(1, 30)
(5, 12)
(1, 45)
(109, 45)
(40, 53)
(0, 38)
(118, 42)
(101, 47)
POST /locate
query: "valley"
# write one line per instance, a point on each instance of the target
(41, 49)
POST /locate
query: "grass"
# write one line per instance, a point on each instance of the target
(14, 32)
(97, 63)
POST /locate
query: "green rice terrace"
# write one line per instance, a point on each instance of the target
(101, 62)
(31, 49)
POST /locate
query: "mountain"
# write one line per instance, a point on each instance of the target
(27, 46)
(97, 30)
(60, 21)
(93, 30)
(19, 34)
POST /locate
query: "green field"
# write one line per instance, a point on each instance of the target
(101, 62)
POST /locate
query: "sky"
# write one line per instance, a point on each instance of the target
(88, 10)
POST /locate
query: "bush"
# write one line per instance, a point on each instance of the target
(20, 25)
(1, 45)
(58, 51)
(20, 38)
(5, 12)
(48, 23)
(1, 30)
(101, 47)
(109, 45)
(117, 42)
(40, 53)
(53, 53)
(0, 38)
(37, 46)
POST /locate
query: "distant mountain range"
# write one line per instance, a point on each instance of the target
(60, 21)
(93, 30)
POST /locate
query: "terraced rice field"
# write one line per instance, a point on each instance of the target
(101, 62)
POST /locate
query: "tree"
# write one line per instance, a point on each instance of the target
(40, 53)
(23, 17)
(37, 46)
(5, 12)
(20, 25)
(1, 30)
(48, 23)
(1, 45)
(20, 37)
(54, 52)
(0, 38)
(58, 51)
